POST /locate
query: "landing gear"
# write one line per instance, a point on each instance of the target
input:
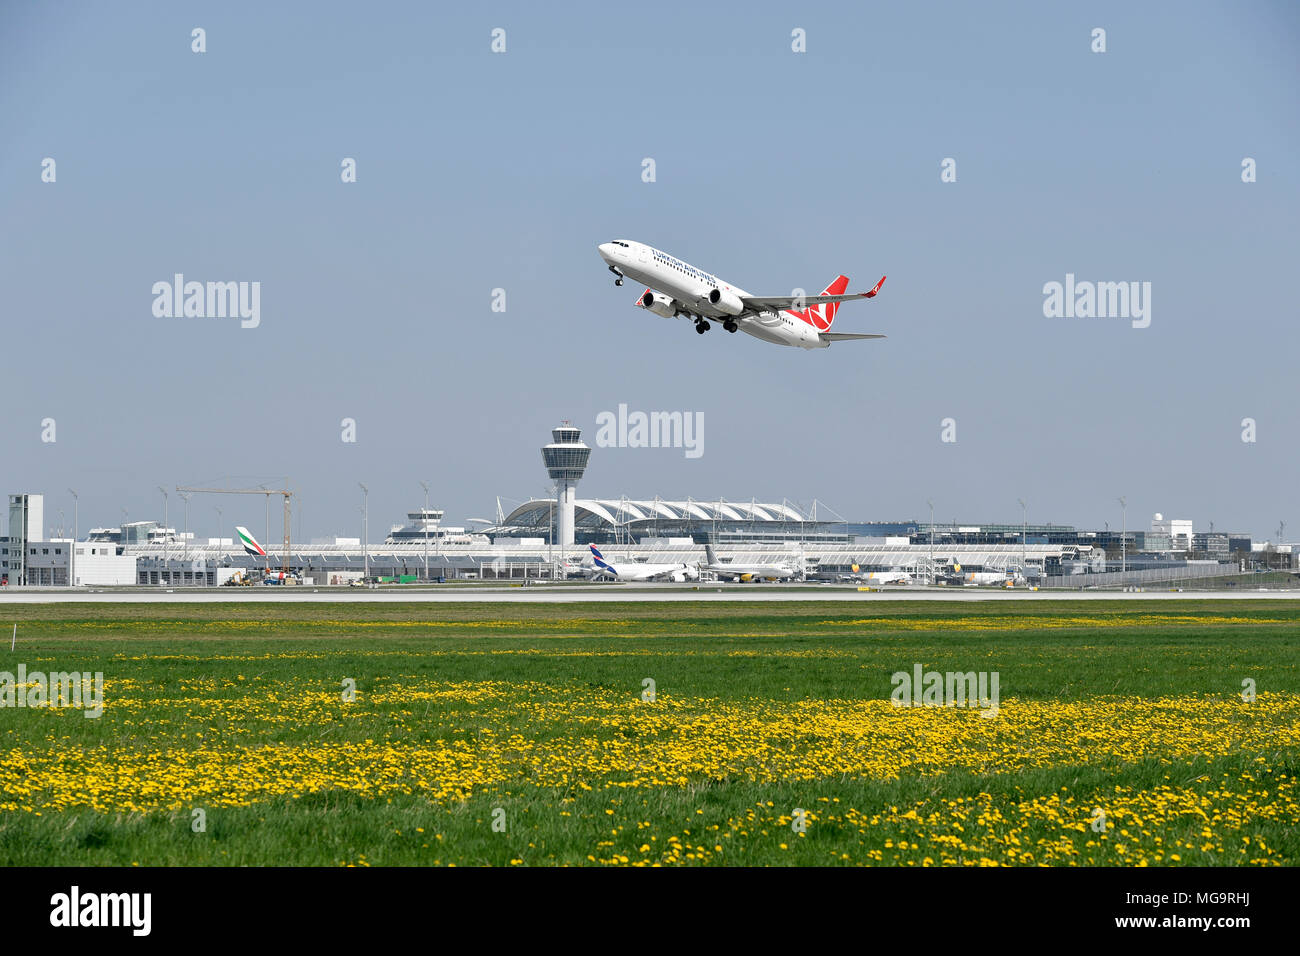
(701, 327)
(618, 276)
(730, 325)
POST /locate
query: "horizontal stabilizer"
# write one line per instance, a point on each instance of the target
(845, 336)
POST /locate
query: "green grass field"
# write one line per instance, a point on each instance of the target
(526, 735)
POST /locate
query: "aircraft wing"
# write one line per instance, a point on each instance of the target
(845, 336)
(666, 574)
(779, 303)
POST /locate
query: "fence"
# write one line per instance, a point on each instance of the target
(1109, 579)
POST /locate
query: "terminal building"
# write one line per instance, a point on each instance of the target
(754, 534)
(700, 520)
(546, 537)
(28, 558)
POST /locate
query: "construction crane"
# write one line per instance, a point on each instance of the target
(284, 565)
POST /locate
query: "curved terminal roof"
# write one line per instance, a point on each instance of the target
(613, 512)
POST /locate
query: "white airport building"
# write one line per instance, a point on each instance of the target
(546, 538)
(29, 558)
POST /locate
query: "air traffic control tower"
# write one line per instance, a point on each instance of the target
(566, 460)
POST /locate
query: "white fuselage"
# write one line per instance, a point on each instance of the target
(636, 571)
(999, 578)
(690, 287)
(888, 577)
(750, 572)
(732, 571)
(631, 571)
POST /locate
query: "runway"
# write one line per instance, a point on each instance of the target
(609, 594)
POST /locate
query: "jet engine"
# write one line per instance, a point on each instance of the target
(727, 302)
(659, 304)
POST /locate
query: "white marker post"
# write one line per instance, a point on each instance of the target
(13, 640)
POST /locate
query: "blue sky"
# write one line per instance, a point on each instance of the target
(774, 170)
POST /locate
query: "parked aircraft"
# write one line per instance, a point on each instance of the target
(733, 571)
(636, 571)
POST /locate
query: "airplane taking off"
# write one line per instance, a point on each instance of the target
(677, 288)
(633, 571)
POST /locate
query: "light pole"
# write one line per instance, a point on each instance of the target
(1123, 535)
(365, 529)
(1024, 531)
(215, 562)
(185, 496)
(164, 536)
(550, 524)
(72, 558)
(930, 570)
(425, 516)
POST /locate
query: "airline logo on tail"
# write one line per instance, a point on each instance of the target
(249, 542)
(821, 316)
(599, 559)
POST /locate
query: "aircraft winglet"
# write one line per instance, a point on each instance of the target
(876, 289)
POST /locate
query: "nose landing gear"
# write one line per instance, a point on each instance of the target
(618, 276)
